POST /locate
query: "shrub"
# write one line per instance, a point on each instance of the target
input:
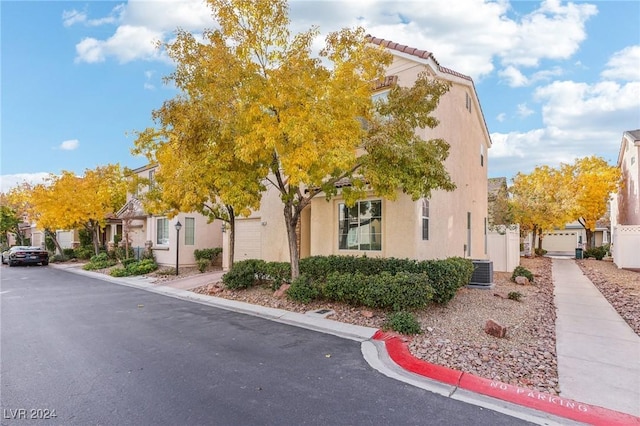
(139, 267)
(99, 261)
(202, 264)
(166, 271)
(83, 252)
(403, 322)
(209, 254)
(345, 287)
(69, 253)
(303, 289)
(597, 252)
(244, 274)
(521, 271)
(540, 252)
(58, 258)
(398, 292)
(127, 262)
(447, 276)
(278, 273)
(119, 272)
(515, 295)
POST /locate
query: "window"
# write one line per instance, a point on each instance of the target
(189, 231)
(481, 155)
(162, 231)
(468, 234)
(467, 104)
(360, 226)
(425, 219)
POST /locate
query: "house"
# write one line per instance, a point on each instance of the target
(158, 233)
(573, 235)
(503, 236)
(625, 205)
(447, 224)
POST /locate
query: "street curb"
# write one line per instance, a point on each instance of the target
(398, 350)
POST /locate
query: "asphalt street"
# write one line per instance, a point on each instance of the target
(94, 352)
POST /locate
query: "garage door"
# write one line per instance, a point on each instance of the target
(248, 239)
(563, 241)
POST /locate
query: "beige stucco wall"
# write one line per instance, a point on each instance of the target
(207, 235)
(629, 195)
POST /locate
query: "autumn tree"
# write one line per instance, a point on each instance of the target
(68, 201)
(541, 200)
(592, 182)
(17, 200)
(283, 118)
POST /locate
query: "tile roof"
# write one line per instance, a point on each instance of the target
(422, 54)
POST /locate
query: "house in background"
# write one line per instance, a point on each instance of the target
(625, 205)
(158, 233)
(447, 224)
(573, 235)
(503, 236)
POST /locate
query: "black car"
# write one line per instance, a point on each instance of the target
(22, 255)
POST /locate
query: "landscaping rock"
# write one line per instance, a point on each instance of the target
(522, 280)
(367, 314)
(494, 329)
(279, 293)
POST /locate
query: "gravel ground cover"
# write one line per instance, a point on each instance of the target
(453, 335)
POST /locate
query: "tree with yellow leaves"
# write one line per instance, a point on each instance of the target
(592, 182)
(258, 110)
(68, 201)
(542, 201)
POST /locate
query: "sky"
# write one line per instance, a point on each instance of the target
(556, 80)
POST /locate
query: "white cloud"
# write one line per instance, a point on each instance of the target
(513, 77)
(69, 145)
(71, 17)
(465, 35)
(524, 110)
(501, 117)
(11, 181)
(127, 44)
(624, 65)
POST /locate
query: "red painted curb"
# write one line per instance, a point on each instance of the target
(399, 352)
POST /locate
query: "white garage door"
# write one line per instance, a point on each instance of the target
(248, 239)
(560, 241)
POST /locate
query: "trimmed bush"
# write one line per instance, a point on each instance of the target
(303, 289)
(540, 252)
(99, 261)
(244, 274)
(447, 276)
(209, 254)
(278, 273)
(69, 253)
(127, 262)
(397, 292)
(202, 264)
(521, 271)
(403, 322)
(596, 252)
(83, 252)
(345, 287)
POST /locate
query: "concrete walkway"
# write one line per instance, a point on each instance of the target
(598, 353)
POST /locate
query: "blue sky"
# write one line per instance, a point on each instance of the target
(556, 80)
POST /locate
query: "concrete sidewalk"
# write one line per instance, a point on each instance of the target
(598, 353)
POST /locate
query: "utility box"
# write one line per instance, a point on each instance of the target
(482, 275)
(579, 253)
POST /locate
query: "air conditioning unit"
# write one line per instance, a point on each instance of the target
(482, 275)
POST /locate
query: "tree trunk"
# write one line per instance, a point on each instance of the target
(540, 236)
(52, 235)
(232, 235)
(534, 232)
(291, 221)
(590, 242)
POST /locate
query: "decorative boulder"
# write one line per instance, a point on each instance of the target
(495, 329)
(522, 280)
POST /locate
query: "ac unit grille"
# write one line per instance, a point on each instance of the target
(482, 274)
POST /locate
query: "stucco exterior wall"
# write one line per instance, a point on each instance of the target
(629, 195)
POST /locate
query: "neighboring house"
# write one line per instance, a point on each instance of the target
(158, 233)
(625, 205)
(565, 241)
(503, 236)
(447, 224)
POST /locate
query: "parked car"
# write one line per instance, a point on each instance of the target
(24, 255)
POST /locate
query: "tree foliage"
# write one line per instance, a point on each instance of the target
(257, 110)
(549, 198)
(68, 201)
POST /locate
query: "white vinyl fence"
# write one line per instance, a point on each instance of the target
(625, 246)
(503, 247)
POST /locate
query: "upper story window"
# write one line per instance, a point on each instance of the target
(425, 219)
(162, 231)
(360, 226)
(467, 102)
(481, 155)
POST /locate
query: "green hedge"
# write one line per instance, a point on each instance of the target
(245, 274)
(209, 254)
(140, 267)
(597, 252)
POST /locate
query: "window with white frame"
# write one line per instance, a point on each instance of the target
(425, 219)
(360, 226)
(189, 231)
(162, 231)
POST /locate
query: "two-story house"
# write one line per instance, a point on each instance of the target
(159, 234)
(444, 225)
